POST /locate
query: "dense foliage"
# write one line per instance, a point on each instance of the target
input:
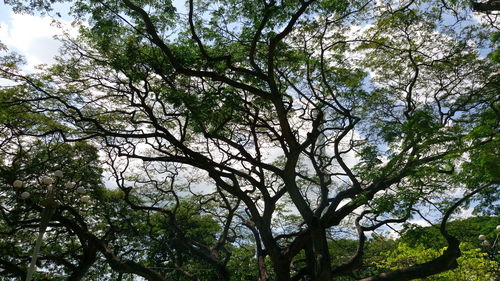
(253, 139)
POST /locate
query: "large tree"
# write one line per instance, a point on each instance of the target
(288, 121)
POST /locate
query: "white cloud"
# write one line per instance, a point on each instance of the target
(33, 37)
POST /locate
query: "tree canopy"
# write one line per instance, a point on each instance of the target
(277, 128)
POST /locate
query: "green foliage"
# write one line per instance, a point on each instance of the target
(242, 264)
(284, 116)
(167, 249)
(19, 224)
(467, 231)
(495, 41)
(404, 256)
(472, 264)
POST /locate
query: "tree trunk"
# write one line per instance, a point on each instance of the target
(486, 7)
(222, 273)
(318, 257)
(281, 269)
(261, 262)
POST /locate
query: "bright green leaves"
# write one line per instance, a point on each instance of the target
(472, 264)
(405, 256)
(242, 263)
(102, 16)
(422, 94)
(483, 165)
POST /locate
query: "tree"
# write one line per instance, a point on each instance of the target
(64, 252)
(288, 121)
(77, 233)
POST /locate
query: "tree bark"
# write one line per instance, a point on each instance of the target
(222, 273)
(318, 258)
(281, 269)
(263, 276)
(88, 259)
(486, 7)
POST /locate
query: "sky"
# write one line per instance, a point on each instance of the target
(33, 36)
(29, 35)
